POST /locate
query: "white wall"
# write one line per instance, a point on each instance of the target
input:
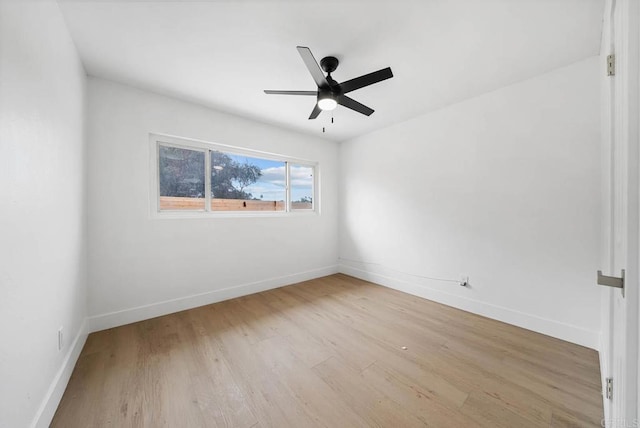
(503, 187)
(42, 210)
(142, 266)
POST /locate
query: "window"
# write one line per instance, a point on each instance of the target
(301, 179)
(181, 178)
(193, 176)
(243, 183)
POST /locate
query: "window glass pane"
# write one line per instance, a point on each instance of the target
(301, 179)
(181, 179)
(244, 183)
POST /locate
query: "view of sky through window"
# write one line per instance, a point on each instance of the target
(272, 183)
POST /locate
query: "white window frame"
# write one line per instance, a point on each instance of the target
(157, 140)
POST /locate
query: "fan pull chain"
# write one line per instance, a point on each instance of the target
(323, 128)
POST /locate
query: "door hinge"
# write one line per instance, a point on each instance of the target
(609, 390)
(611, 65)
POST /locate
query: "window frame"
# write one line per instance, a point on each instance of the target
(158, 140)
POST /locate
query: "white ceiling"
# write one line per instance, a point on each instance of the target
(222, 54)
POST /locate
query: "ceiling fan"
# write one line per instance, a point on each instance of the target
(331, 93)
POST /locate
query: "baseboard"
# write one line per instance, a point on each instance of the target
(556, 329)
(140, 313)
(56, 390)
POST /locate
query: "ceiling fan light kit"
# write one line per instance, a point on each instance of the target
(327, 101)
(331, 93)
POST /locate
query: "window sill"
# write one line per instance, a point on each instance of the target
(171, 215)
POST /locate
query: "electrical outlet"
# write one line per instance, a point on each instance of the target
(464, 280)
(60, 338)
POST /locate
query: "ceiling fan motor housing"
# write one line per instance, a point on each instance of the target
(329, 64)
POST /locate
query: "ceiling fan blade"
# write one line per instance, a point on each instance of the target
(312, 66)
(316, 111)
(366, 80)
(271, 92)
(354, 105)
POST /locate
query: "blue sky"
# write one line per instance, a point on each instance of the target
(271, 186)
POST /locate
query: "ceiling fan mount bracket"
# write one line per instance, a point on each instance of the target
(329, 64)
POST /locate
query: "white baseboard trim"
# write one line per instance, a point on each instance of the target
(140, 313)
(570, 333)
(52, 399)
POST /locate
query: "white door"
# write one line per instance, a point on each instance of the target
(619, 347)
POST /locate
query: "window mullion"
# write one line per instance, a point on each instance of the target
(207, 180)
(288, 187)
(158, 145)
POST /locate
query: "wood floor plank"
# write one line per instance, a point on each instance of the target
(331, 352)
(217, 395)
(372, 405)
(269, 399)
(325, 408)
(431, 405)
(489, 411)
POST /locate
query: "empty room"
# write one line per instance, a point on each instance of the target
(319, 214)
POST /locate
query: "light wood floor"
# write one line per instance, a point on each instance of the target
(330, 353)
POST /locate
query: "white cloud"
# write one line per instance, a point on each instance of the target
(274, 175)
(301, 176)
(271, 184)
